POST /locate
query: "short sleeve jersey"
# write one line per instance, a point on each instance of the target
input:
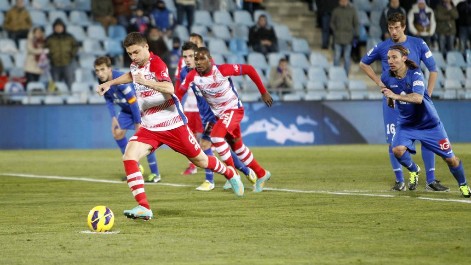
(124, 96)
(216, 87)
(419, 116)
(159, 111)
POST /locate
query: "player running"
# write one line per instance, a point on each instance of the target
(418, 118)
(129, 117)
(163, 122)
(213, 83)
(419, 52)
(208, 118)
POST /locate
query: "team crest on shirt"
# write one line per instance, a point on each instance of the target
(236, 68)
(164, 74)
(444, 144)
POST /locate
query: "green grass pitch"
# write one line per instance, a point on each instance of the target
(323, 205)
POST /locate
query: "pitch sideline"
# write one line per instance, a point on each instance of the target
(345, 193)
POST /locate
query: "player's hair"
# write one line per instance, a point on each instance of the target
(189, 46)
(404, 52)
(397, 17)
(196, 35)
(203, 50)
(134, 38)
(102, 60)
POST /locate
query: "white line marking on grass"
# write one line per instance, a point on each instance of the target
(100, 233)
(348, 193)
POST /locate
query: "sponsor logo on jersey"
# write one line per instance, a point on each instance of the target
(370, 51)
(417, 73)
(394, 85)
(418, 83)
(164, 74)
(444, 144)
(236, 68)
(428, 54)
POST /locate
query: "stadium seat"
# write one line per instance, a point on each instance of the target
(315, 86)
(243, 17)
(241, 32)
(20, 59)
(7, 61)
(93, 46)
(294, 96)
(250, 96)
(455, 58)
(283, 33)
(44, 5)
(363, 18)
(439, 60)
(257, 60)
(454, 73)
(284, 47)
(36, 87)
(337, 94)
(300, 45)
(96, 99)
(337, 73)
(32, 100)
(117, 32)
(375, 17)
(336, 85)
(375, 31)
(62, 87)
(96, 31)
(299, 60)
(222, 17)
(440, 78)
(315, 95)
(218, 58)
(203, 17)
(221, 32)
(450, 94)
(4, 6)
(379, 5)
(83, 5)
(17, 72)
(77, 32)
(317, 59)
(452, 84)
(299, 75)
(274, 58)
(84, 74)
(76, 99)
(86, 61)
(218, 46)
(201, 30)
(317, 74)
(14, 92)
(79, 18)
(63, 4)
(55, 14)
(181, 32)
(8, 46)
(113, 47)
(234, 58)
(358, 89)
(53, 100)
(238, 47)
(362, 5)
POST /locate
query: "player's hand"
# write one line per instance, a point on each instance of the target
(139, 78)
(391, 103)
(387, 93)
(266, 97)
(101, 89)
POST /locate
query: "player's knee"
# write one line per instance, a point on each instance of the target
(398, 151)
(452, 161)
(118, 134)
(205, 144)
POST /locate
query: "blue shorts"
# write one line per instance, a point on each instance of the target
(207, 128)
(126, 121)
(434, 139)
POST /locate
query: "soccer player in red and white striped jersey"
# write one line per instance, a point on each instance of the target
(163, 122)
(214, 84)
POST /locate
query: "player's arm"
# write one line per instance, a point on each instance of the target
(163, 86)
(426, 56)
(182, 87)
(130, 95)
(247, 69)
(414, 98)
(432, 78)
(368, 70)
(123, 79)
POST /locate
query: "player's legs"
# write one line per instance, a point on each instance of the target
(194, 123)
(119, 136)
(208, 184)
(219, 133)
(390, 118)
(134, 152)
(402, 147)
(154, 176)
(429, 162)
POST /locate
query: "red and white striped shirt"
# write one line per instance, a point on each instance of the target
(159, 111)
(218, 89)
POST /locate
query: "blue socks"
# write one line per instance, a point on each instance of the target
(429, 163)
(406, 161)
(208, 172)
(238, 164)
(396, 166)
(458, 173)
(122, 144)
(152, 161)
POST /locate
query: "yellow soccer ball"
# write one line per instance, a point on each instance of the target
(100, 219)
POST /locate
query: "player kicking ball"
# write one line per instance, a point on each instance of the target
(162, 122)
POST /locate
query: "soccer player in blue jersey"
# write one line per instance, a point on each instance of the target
(208, 119)
(418, 52)
(129, 117)
(418, 118)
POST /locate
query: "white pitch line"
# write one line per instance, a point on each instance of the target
(348, 193)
